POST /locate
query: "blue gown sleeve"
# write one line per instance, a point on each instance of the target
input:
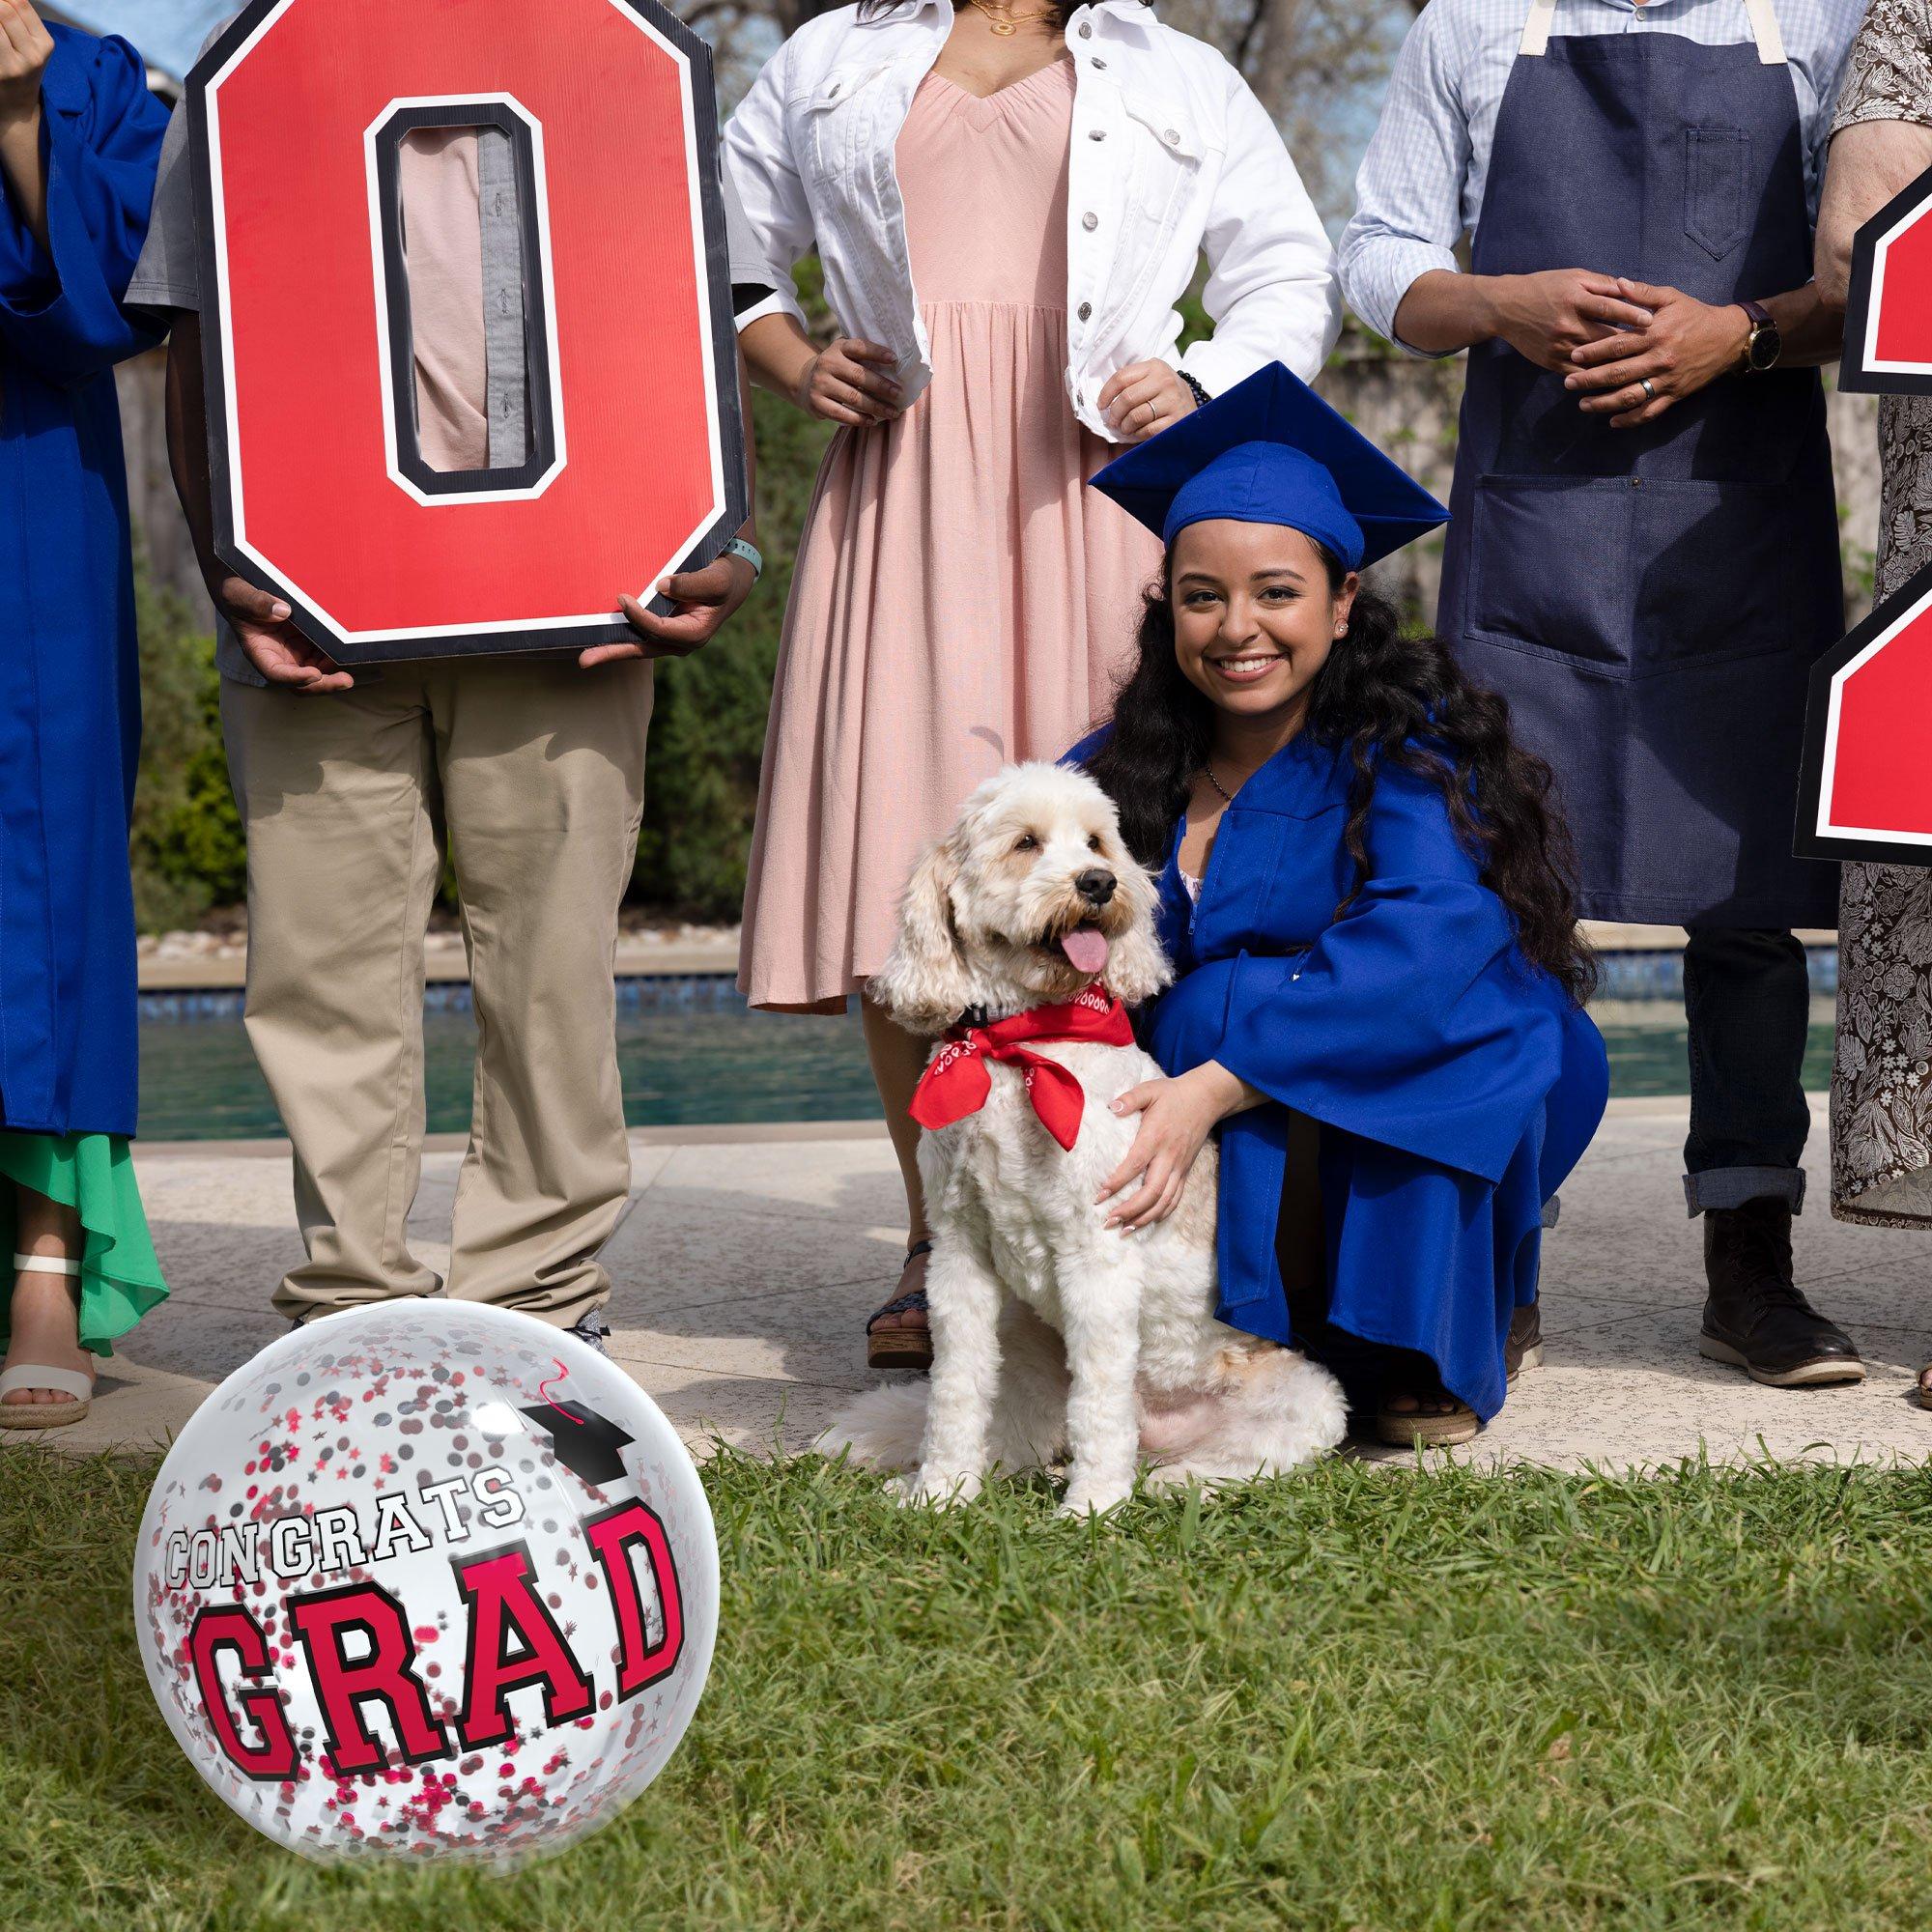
(1413, 1021)
(1078, 755)
(60, 306)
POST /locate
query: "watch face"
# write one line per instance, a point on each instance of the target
(1765, 345)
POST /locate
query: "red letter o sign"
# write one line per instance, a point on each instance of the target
(632, 465)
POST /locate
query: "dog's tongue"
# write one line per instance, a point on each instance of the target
(1086, 946)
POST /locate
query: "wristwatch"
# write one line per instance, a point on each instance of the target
(1765, 344)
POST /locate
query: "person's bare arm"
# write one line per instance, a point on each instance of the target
(847, 381)
(1543, 316)
(1686, 345)
(260, 621)
(25, 48)
(1870, 162)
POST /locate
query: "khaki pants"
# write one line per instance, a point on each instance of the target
(529, 776)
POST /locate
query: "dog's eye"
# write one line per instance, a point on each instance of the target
(1094, 844)
(1026, 843)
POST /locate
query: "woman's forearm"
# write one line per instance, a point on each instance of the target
(25, 172)
(778, 353)
(1228, 1091)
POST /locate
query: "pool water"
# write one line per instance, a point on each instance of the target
(704, 1061)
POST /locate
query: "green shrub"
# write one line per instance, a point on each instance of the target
(185, 846)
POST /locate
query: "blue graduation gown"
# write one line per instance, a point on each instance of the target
(1455, 1083)
(70, 703)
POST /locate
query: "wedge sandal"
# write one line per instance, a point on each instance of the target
(900, 1347)
(36, 1375)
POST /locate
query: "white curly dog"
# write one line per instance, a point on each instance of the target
(1054, 1337)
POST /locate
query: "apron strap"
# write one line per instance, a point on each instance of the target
(1764, 32)
(1763, 14)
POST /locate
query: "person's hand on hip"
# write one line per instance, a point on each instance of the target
(851, 381)
(264, 627)
(1687, 344)
(701, 601)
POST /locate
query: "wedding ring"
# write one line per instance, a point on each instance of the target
(1648, 388)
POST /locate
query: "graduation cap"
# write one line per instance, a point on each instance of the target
(1271, 451)
(587, 1444)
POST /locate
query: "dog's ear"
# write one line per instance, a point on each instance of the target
(1137, 968)
(924, 984)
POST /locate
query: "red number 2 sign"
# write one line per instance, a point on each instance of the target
(1867, 783)
(629, 458)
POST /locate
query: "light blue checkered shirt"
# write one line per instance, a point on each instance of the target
(1420, 188)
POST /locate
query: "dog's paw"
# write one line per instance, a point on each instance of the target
(924, 1491)
(1087, 1499)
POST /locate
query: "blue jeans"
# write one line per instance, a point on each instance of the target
(1748, 1001)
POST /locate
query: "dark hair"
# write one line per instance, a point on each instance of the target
(1391, 699)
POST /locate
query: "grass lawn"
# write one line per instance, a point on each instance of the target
(1364, 1698)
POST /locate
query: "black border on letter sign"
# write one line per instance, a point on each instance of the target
(1863, 294)
(1811, 843)
(390, 138)
(731, 426)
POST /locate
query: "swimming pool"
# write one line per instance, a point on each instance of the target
(692, 1053)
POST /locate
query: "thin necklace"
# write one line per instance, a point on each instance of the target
(1003, 20)
(1208, 773)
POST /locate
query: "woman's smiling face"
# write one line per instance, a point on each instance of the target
(1254, 616)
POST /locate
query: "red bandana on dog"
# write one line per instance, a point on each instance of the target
(957, 1081)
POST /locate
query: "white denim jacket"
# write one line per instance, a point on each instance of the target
(1172, 157)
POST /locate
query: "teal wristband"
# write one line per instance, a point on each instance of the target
(738, 546)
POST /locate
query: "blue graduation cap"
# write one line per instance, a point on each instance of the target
(1271, 451)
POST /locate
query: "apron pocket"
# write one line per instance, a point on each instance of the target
(1717, 161)
(1550, 568)
(1716, 573)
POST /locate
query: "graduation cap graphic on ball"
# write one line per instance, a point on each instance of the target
(1271, 451)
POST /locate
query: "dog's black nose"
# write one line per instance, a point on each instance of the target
(1094, 886)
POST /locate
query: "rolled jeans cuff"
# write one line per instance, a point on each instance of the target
(1733, 1186)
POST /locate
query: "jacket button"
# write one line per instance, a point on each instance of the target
(1097, 134)
(1085, 31)
(1099, 63)
(1086, 310)
(1169, 137)
(1090, 221)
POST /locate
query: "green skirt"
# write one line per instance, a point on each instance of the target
(94, 1173)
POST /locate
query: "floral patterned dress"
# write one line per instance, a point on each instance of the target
(1881, 1084)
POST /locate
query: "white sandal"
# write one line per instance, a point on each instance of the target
(30, 1376)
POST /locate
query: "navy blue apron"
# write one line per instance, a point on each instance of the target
(1650, 600)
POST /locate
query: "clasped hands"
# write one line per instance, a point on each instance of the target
(1608, 335)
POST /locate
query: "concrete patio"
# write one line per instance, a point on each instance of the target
(749, 1257)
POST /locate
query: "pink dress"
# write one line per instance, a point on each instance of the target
(962, 599)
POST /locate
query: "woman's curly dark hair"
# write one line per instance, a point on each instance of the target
(1390, 698)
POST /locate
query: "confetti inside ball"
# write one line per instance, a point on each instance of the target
(427, 1579)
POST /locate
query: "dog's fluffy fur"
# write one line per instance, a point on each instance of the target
(1054, 1337)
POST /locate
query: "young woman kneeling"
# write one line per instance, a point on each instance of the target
(1365, 891)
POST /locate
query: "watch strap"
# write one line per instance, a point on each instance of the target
(738, 546)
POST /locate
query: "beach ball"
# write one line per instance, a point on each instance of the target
(427, 1579)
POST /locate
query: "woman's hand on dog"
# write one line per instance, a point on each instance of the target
(1177, 1117)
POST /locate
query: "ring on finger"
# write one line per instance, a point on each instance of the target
(1648, 388)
